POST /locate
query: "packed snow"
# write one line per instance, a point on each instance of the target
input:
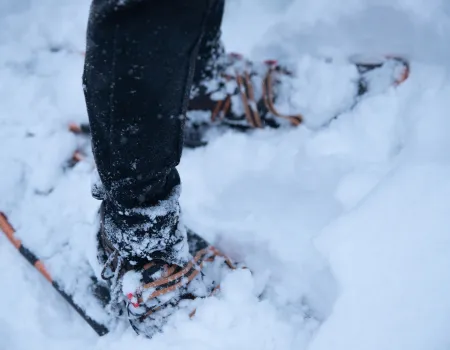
(345, 227)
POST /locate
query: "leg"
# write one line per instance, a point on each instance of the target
(211, 47)
(138, 72)
(138, 75)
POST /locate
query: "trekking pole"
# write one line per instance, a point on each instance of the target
(9, 231)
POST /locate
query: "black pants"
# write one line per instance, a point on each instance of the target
(142, 58)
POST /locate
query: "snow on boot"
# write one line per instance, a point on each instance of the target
(150, 291)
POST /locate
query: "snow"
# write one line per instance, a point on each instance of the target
(320, 90)
(345, 227)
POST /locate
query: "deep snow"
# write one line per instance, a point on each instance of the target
(345, 226)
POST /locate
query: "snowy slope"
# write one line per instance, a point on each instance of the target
(345, 226)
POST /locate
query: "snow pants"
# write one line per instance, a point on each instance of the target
(142, 57)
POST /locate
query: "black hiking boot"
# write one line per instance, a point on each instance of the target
(240, 95)
(150, 291)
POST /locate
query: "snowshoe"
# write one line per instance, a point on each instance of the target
(246, 95)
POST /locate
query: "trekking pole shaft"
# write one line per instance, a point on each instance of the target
(9, 231)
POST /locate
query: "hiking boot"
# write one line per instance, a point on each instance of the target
(240, 95)
(150, 291)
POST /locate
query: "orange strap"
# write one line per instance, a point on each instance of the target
(269, 100)
(251, 98)
(249, 102)
(405, 74)
(185, 276)
(245, 102)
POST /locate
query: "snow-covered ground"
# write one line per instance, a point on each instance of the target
(346, 227)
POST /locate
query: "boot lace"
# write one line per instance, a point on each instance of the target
(113, 279)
